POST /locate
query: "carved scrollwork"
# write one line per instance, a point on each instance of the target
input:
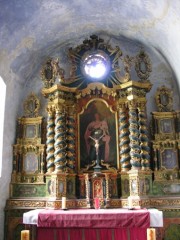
(88, 166)
(90, 47)
(127, 61)
(31, 106)
(51, 71)
(108, 166)
(164, 99)
(143, 65)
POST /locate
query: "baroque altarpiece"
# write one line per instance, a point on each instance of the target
(95, 140)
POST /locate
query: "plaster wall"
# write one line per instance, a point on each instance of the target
(12, 103)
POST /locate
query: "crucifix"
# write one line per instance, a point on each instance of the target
(96, 145)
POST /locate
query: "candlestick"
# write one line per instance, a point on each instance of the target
(130, 202)
(25, 235)
(151, 234)
(63, 202)
(97, 203)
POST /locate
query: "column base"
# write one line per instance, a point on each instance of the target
(138, 202)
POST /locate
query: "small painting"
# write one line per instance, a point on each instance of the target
(30, 131)
(30, 162)
(164, 99)
(169, 159)
(166, 125)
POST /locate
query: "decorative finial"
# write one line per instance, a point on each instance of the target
(31, 106)
(51, 71)
(143, 65)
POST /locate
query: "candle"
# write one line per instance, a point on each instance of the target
(63, 202)
(151, 234)
(130, 202)
(25, 235)
(97, 203)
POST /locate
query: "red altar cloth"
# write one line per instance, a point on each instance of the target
(108, 218)
(108, 224)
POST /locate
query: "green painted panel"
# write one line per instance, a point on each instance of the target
(172, 232)
(166, 188)
(173, 213)
(28, 190)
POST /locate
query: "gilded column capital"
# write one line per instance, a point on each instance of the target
(50, 110)
(132, 104)
(122, 105)
(141, 106)
(59, 108)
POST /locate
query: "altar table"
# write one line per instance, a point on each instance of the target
(91, 224)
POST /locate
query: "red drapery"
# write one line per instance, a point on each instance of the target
(91, 234)
(93, 225)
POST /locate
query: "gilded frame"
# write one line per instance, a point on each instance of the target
(169, 159)
(30, 163)
(85, 118)
(30, 131)
(166, 125)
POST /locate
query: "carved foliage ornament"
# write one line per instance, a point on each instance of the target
(31, 106)
(94, 51)
(143, 66)
(164, 99)
(96, 61)
(51, 71)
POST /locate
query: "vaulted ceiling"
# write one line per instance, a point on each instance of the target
(32, 30)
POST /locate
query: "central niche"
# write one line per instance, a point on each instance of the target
(97, 122)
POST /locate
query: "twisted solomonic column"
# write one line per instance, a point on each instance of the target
(60, 141)
(50, 142)
(134, 137)
(70, 140)
(143, 137)
(124, 140)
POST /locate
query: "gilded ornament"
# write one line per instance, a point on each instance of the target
(143, 65)
(164, 99)
(51, 71)
(31, 106)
